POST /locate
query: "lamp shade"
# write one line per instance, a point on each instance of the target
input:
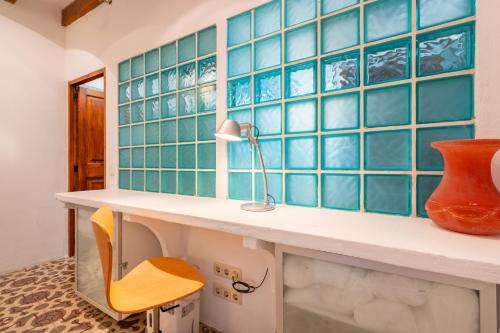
(230, 130)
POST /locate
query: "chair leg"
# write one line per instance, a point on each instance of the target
(153, 321)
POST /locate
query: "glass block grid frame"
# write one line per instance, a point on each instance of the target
(166, 107)
(348, 95)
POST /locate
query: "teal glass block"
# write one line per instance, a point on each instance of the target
(267, 86)
(152, 61)
(301, 116)
(152, 85)
(267, 18)
(425, 187)
(240, 185)
(301, 153)
(239, 92)
(207, 99)
(152, 181)
(169, 80)
(137, 89)
(187, 76)
(137, 112)
(169, 182)
(298, 11)
(241, 116)
(340, 152)
(187, 129)
(388, 194)
(124, 93)
(301, 43)
(274, 187)
(187, 48)
(124, 115)
(206, 184)
(239, 29)
(267, 119)
(152, 157)
(187, 156)
(388, 62)
(138, 180)
(239, 60)
(187, 182)
(168, 54)
(388, 150)
(124, 158)
(239, 155)
(340, 112)
(168, 131)
(124, 136)
(152, 109)
(137, 66)
(387, 18)
(124, 179)
(429, 158)
(207, 41)
(450, 99)
(388, 106)
(446, 50)
(340, 31)
(206, 156)
(206, 127)
(207, 70)
(300, 80)
(169, 157)
(340, 191)
(301, 189)
(124, 71)
(267, 52)
(138, 157)
(187, 102)
(152, 133)
(449, 10)
(169, 106)
(137, 135)
(272, 154)
(340, 72)
(330, 6)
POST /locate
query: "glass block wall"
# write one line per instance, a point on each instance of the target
(348, 95)
(167, 101)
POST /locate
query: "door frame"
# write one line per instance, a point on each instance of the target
(72, 158)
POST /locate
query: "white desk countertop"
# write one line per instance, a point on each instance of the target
(402, 241)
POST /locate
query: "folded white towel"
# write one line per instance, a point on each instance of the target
(385, 316)
(398, 288)
(331, 273)
(298, 272)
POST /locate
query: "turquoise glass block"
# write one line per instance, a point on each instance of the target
(301, 116)
(206, 156)
(446, 50)
(169, 80)
(124, 179)
(207, 41)
(340, 72)
(207, 99)
(240, 185)
(124, 158)
(207, 70)
(340, 191)
(206, 127)
(388, 62)
(138, 157)
(187, 182)
(187, 76)
(300, 80)
(206, 184)
(388, 150)
(137, 89)
(169, 182)
(124, 136)
(301, 153)
(449, 10)
(330, 6)
(387, 18)
(137, 66)
(152, 85)
(187, 48)
(168, 131)
(268, 52)
(152, 157)
(124, 71)
(239, 155)
(169, 106)
(268, 119)
(187, 129)
(388, 194)
(340, 112)
(301, 189)
(274, 185)
(137, 135)
(239, 29)
(152, 181)
(267, 18)
(298, 11)
(429, 158)
(272, 154)
(301, 43)
(242, 116)
(239, 60)
(267, 86)
(187, 102)
(152, 133)
(340, 31)
(152, 109)
(138, 180)
(239, 92)
(137, 112)
(168, 54)
(169, 157)
(450, 99)
(388, 106)
(425, 187)
(187, 156)
(340, 152)
(124, 93)
(152, 61)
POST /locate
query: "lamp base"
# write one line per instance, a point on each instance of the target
(257, 207)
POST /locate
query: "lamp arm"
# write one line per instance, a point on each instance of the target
(254, 140)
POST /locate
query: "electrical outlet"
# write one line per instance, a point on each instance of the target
(227, 271)
(236, 297)
(227, 293)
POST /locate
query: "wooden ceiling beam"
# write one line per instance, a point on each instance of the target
(11, 1)
(77, 9)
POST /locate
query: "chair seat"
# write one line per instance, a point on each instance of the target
(153, 283)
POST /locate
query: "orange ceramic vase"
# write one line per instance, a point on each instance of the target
(466, 200)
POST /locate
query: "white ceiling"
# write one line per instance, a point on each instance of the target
(59, 4)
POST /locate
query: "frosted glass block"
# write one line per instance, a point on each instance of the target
(239, 155)
(446, 50)
(329, 6)
(124, 71)
(274, 187)
(267, 86)
(152, 157)
(124, 136)
(169, 106)
(387, 18)
(388, 194)
(152, 61)
(340, 72)
(239, 29)
(268, 119)
(301, 153)
(301, 189)
(152, 133)
(152, 181)
(429, 158)
(207, 41)
(187, 129)
(340, 31)
(300, 80)
(169, 80)
(207, 70)
(425, 187)
(187, 182)
(240, 186)
(340, 152)
(242, 116)
(137, 66)
(137, 89)
(388, 62)
(449, 99)
(137, 112)
(152, 109)
(301, 116)
(206, 184)
(187, 156)
(206, 127)
(388, 150)
(138, 180)
(124, 179)
(168, 131)
(138, 157)
(239, 92)
(239, 60)
(169, 182)
(271, 153)
(187, 102)
(267, 18)
(187, 75)
(297, 11)
(340, 112)
(340, 191)
(449, 10)
(268, 52)
(169, 157)
(168, 54)
(300, 43)
(388, 106)
(137, 135)
(187, 48)
(207, 99)
(124, 93)
(152, 85)
(124, 158)
(124, 115)
(206, 156)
